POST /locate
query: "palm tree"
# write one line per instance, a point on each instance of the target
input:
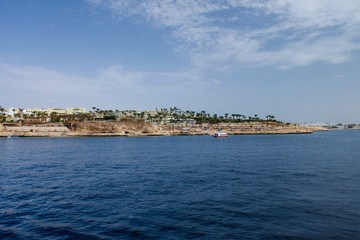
(270, 118)
(2, 110)
(20, 112)
(42, 116)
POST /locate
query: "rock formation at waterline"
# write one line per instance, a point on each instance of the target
(128, 128)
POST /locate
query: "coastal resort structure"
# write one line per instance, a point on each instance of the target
(13, 111)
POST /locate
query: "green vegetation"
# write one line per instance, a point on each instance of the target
(112, 117)
(175, 115)
(164, 115)
(2, 114)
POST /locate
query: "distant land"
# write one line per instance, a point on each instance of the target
(163, 115)
(70, 122)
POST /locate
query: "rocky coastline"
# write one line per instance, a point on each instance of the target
(138, 129)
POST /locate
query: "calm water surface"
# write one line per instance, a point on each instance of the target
(242, 187)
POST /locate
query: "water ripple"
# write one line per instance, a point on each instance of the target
(244, 187)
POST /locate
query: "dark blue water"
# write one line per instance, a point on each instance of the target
(242, 187)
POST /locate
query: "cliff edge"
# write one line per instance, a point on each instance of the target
(131, 129)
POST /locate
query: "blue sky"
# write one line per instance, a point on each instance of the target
(297, 60)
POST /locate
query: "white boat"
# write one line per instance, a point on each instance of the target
(12, 136)
(220, 134)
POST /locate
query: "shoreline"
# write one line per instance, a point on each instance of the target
(150, 135)
(143, 129)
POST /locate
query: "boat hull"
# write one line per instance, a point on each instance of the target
(220, 135)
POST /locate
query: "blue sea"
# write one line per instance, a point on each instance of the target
(187, 187)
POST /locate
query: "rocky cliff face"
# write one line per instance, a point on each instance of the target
(237, 128)
(116, 128)
(103, 128)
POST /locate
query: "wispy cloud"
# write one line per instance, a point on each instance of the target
(226, 34)
(116, 78)
(338, 76)
(42, 80)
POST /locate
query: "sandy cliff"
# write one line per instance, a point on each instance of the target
(113, 129)
(102, 128)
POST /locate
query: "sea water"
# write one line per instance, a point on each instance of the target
(189, 187)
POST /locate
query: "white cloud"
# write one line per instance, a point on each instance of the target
(281, 33)
(338, 76)
(42, 80)
(38, 80)
(117, 76)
